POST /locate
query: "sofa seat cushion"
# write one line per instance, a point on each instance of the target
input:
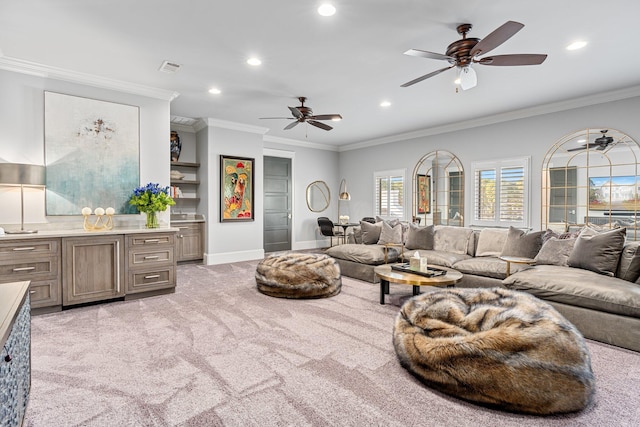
(442, 258)
(578, 287)
(487, 267)
(364, 254)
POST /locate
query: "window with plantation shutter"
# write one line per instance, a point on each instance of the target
(501, 196)
(389, 194)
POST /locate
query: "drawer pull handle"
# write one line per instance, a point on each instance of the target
(152, 240)
(183, 228)
(152, 257)
(154, 276)
(27, 248)
(32, 292)
(23, 269)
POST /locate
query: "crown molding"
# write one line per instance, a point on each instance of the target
(233, 126)
(297, 143)
(45, 71)
(585, 101)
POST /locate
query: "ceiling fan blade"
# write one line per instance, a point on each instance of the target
(267, 118)
(430, 55)
(584, 147)
(291, 125)
(296, 113)
(520, 59)
(319, 125)
(426, 76)
(496, 38)
(326, 117)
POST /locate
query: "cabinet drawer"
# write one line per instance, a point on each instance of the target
(29, 269)
(45, 293)
(150, 257)
(20, 249)
(150, 239)
(193, 227)
(143, 281)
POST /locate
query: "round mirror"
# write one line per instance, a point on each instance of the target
(318, 196)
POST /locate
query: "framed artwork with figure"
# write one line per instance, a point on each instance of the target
(236, 189)
(424, 193)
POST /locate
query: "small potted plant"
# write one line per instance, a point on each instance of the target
(151, 199)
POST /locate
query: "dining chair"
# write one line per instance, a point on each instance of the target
(328, 229)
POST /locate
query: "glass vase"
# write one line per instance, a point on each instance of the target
(152, 220)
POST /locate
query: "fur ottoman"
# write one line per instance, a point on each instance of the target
(299, 275)
(497, 347)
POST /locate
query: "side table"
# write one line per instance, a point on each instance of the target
(516, 260)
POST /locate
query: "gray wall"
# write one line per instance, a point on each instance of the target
(531, 136)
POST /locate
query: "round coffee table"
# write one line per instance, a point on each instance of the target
(388, 275)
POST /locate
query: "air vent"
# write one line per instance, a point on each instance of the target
(169, 67)
(185, 121)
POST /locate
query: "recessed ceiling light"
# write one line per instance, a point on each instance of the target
(385, 104)
(214, 91)
(327, 10)
(254, 61)
(577, 45)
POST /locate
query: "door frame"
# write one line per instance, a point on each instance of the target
(270, 152)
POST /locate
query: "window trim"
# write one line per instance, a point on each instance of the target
(498, 165)
(388, 173)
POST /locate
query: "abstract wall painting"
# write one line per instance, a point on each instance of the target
(424, 193)
(236, 189)
(92, 154)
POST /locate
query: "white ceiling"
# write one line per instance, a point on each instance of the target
(344, 64)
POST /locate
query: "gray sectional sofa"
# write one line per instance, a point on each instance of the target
(590, 276)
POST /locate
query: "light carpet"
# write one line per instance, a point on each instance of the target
(219, 353)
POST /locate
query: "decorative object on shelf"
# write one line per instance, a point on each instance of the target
(176, 174)
(22, 175)
(92, 153)
(100, 223)
(151, 199)
(176, 146)
(236, 188)
(424, 193)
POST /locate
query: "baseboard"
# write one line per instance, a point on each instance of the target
(310, 244)
(227, 257)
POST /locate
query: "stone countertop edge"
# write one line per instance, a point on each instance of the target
(11, 297)
(79, 232)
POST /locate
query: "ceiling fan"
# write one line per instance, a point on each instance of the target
(464, 52)
(600, 143)
(304, 114)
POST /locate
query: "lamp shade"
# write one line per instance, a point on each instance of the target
(344, 195)
(21, 174)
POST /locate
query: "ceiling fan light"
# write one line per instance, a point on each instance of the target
(468, 78)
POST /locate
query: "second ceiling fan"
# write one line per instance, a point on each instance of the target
(464, 52)
(303, 114)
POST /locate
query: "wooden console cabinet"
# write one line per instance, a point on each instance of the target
(67, 268)
(190, 241)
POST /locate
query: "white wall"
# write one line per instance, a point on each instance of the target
(22, 136)
(531, 136)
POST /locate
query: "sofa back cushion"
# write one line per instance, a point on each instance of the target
(629, 265)
(522, 244)
(452, 239)
(390, 234)
(491, 241)
(598, 251)
(419, 237)
(370, 232)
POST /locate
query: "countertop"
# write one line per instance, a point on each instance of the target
(80, 232)
(11, 297)
(182, 218)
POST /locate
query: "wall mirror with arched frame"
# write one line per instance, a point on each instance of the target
(592, 177)
(318, 196)
(438, 189)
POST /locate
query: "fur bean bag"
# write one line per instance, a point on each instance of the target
(497, 347)
(299, 275)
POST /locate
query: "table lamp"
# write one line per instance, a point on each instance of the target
(13, 174)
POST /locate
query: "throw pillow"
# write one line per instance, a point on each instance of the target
(419, 237)
(491, 241)
(629, 266)
(370, 232)
(522, 244)
(599, 252)
(392, 222)
(451, 239)
(390, 234)
(567, 235)
(555, 251)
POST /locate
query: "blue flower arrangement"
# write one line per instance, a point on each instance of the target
(151, 198)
